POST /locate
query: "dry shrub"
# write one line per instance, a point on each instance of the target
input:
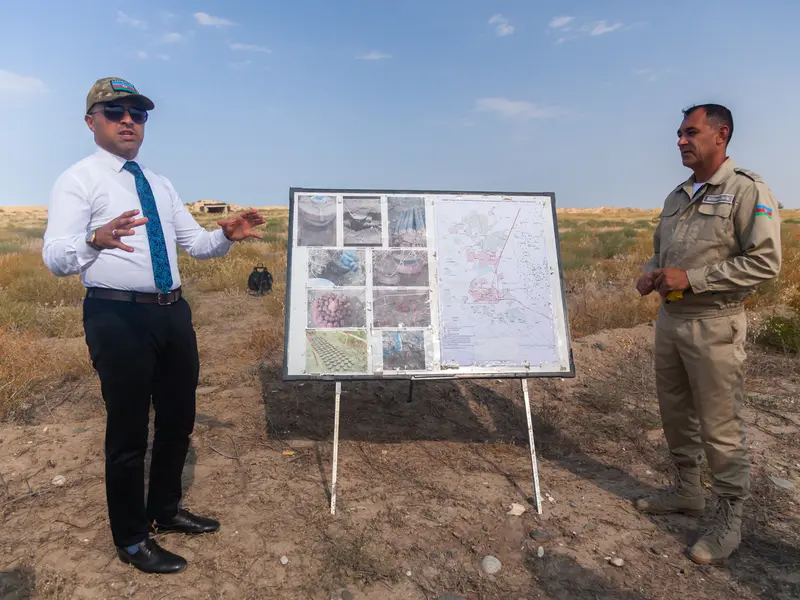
(29, 366)
(230, 272)
(33, 299)
(24, 278)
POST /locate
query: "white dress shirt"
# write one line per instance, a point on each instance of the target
(96, 190)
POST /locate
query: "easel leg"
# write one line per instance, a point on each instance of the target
(534, 468)
(335, 447)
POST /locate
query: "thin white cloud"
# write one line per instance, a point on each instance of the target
(211, 21)
(13, 84)
(601, 28)
(124, 19)
(374, 55)
(165, 15)
(170, 38)
(502, 27)
(560, 22)
(249, 47)
(519, 110)
(241, 65)
(146, 55)
(570, 30)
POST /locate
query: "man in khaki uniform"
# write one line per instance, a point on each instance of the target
(718, 237)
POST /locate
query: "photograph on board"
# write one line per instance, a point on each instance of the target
(340, 308)
(407, 221)
(400, 267)
(316, 220)
(336, 268)
(403, 350)
(401, 308)
(336, 352)
(362, 221)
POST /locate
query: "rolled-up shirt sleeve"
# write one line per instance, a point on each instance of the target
(69, 214)
(191, 236)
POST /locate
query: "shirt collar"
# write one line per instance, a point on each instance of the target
(112, 160)
(721, 175)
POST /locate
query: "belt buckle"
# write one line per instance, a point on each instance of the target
(165, 298)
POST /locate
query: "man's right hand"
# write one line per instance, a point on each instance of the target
(646, 284)
(108, 236)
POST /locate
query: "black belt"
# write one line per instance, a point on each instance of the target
(125, 296)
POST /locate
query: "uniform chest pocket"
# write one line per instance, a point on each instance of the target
(713, 222)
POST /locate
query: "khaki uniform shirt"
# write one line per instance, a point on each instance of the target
(727, 237)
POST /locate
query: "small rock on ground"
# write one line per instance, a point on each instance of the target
(490, 565)
(346, 595)
(782, 483)
(617, 561)
(539, 534)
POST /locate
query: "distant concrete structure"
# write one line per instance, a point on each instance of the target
(214, 207)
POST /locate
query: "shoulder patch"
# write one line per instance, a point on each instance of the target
(749, 174)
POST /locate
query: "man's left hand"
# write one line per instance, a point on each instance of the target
(240, 226)
(670, 280)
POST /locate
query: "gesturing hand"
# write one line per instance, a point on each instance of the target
(240, 226)
(108, 236)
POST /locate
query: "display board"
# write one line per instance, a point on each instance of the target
(424, 284)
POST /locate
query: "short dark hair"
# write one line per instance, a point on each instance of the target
(715, 112)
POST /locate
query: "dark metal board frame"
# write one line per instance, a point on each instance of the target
(442, 376)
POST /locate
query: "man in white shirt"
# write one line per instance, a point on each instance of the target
(117, 223)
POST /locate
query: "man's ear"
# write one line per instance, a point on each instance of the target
(724, 133)
(89, 122)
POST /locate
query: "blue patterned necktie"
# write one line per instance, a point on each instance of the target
(155, 235)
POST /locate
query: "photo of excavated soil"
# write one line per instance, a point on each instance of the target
(362, 221)
(400, 268)
(340, 268)
(401, 308)
(403, 350)
(336, 352)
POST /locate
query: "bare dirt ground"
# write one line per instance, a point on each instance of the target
(424, 486)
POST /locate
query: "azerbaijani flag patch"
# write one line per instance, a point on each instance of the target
(120, 85)
(763, 210)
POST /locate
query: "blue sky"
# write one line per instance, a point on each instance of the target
(581, 98)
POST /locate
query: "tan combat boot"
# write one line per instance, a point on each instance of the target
(685, 497)
(724, 536)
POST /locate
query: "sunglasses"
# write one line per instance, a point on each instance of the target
(115, 113)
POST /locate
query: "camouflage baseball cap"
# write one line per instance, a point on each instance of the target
(109, 89)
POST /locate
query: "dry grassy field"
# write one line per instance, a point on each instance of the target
(424, 486)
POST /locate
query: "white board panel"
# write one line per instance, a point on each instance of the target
(424, 284)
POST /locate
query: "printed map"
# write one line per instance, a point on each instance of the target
(495, 296)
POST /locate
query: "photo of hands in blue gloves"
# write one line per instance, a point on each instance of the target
(328, 268)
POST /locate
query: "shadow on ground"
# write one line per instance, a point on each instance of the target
(476, 413)
(17, 584)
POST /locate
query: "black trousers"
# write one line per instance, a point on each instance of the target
(143, 351)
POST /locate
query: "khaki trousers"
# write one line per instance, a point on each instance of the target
(699, 365)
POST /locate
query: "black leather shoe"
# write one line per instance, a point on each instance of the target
(186, 522)
(152, 558)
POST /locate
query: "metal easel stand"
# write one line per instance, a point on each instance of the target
(335, 447)
(534, 468)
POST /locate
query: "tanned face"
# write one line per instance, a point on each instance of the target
(123, 138)
(701, 141)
